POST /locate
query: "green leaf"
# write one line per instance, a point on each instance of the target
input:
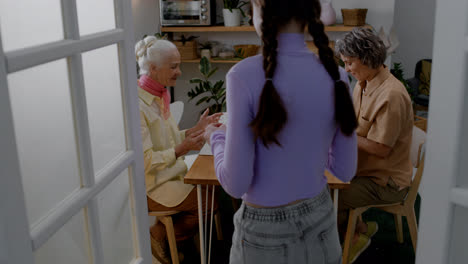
(217, 86)
(202, 100)
(207, 86)
(242, 12)
(212, 72)
(240, 5)
(196, 80)
(220, 93)
(239, 53)
(191, 38)
(205, 66)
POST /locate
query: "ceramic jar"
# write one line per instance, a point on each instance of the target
(328, 15)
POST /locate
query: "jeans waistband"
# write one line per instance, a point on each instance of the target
(287, 212)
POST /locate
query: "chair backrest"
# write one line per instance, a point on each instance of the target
(419, 137)
(418, 153)
(177, 109)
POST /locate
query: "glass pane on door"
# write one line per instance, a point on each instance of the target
(45, 136)
(28, 23)
(69, 245)
(115, 221)
(104, 99)
(95, 16)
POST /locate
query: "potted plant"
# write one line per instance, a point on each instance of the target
(232, 12)
(158, 36)
(187, 47)
(205, 49)
(397, 71)
(209, 93)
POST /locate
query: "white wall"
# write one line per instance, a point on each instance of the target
(414, 24)
(145, 17)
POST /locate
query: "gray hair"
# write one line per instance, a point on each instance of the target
(151, 50)
(364, 44)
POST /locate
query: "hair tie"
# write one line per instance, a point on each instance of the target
(268, 79)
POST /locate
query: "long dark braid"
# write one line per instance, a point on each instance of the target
(271, 116)
(344, 110)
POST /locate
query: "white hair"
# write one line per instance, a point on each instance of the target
(151, 50)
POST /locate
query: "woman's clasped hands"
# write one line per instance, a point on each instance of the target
(195, 136)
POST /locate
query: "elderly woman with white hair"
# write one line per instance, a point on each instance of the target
(164, 145)
(385, 124)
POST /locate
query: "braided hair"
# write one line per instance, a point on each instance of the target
(272, 114)
(344, 110)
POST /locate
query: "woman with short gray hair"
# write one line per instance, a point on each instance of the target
(164, 145)
(362, 43)
(385, 124)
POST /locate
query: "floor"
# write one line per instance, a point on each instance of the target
(383, 249)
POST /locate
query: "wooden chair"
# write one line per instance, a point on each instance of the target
(405, 208)
(420, 122)
(166, 219)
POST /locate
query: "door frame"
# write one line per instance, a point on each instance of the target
(16, 236)
(447, 126)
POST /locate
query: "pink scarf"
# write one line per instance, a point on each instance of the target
(156, 89)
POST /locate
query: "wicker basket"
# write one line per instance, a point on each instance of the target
(354, 17)
(187, 51)
(247, 50)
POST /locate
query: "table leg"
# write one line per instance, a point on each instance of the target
(211, 224)
(206, 220)
(200, 224)
(335, 201)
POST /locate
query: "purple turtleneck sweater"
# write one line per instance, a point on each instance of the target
(311, 140)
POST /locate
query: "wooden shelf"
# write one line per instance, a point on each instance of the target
(233, 61)
(209, 29)
(342, 28)
(334, 28)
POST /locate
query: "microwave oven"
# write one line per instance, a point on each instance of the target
(187, 12)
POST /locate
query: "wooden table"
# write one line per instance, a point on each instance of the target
(202, 173)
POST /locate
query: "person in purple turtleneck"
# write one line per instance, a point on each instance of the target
(290, 117)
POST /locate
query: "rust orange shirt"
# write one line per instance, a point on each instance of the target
(385, 115)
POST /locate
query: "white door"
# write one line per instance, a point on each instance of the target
(443, 230)
(71, 174)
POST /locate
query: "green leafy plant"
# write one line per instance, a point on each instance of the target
(161, 36)
(235, 4)
(206, 45)
(397, 71)
(158, 36)
(206, 90)
(184, 39)
(239, 53)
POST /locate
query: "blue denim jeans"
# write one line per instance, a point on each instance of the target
(305, 232)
